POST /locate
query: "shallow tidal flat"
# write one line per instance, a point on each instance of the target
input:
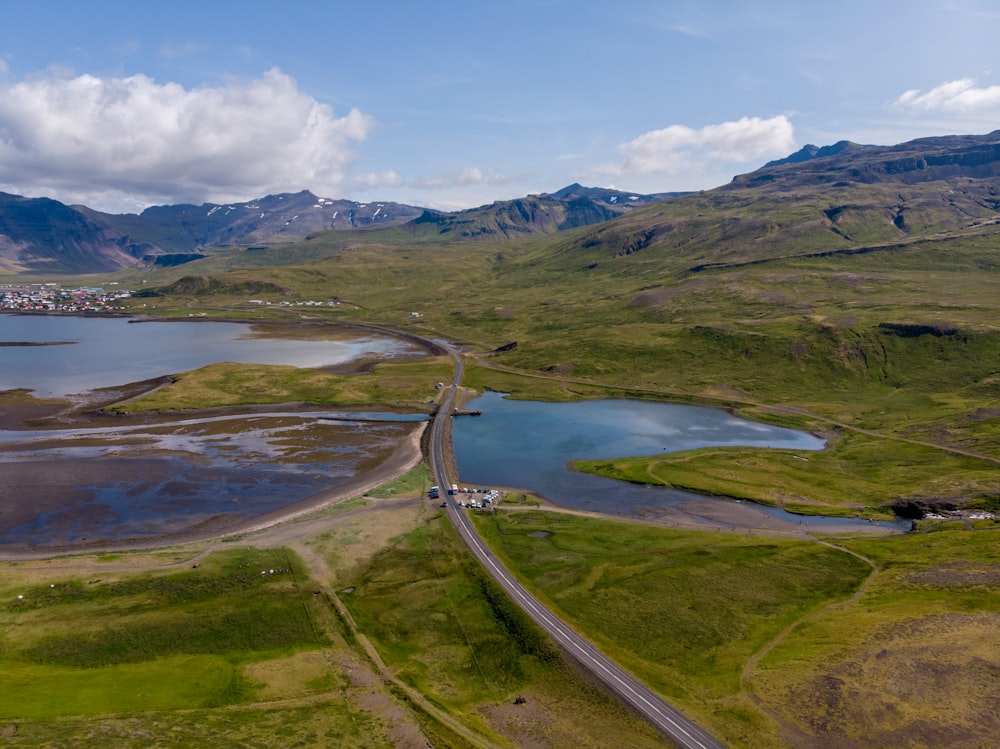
(121, 482)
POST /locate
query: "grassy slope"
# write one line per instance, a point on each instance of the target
(920, 665)
(754, 299)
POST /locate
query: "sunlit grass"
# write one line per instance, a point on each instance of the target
(683, 610)
(392, 385)
(447, 629)
(848, 477)
(185, 633)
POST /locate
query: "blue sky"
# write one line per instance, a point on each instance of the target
(120, 105)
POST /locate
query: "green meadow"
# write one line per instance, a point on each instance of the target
(399, 385)
(144, 642)
(692, 612)
(447, 630)
(851, 476)
(682, 610)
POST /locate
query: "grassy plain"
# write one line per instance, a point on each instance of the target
(448, 631)
(851, 476)
(111, 656)
(408, 385)
(689, 611)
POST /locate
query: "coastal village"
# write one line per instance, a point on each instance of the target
(50, 297)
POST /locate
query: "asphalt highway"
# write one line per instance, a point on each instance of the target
(670, 721)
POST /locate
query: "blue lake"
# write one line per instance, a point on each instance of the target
(114, 481)
(174, 475)
(105, 352)
(529, 444)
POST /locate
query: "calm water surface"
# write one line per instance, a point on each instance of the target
(117, 482)
(105, 352)
(530, 444)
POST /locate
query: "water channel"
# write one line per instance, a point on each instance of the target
(119, 480)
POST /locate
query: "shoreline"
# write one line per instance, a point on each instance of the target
(401, 461)
(21, 411)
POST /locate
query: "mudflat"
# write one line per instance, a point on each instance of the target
(53, 493)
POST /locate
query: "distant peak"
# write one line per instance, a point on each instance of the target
(810, 152)
(568, 192)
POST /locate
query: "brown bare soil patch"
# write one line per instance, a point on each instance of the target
(956, 575)
(17, 407)
(529, 726)
(931, 682)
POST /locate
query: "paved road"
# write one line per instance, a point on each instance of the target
(667, 719)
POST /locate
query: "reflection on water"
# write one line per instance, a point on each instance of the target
(529, 444)
(64, 486)
(152, 480)
(106, 352)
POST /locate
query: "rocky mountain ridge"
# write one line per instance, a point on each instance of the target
(40, 235)
(921, 160)
(856, 194)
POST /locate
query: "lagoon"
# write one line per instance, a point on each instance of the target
(529, 444)
(85, 353)
(123, 480)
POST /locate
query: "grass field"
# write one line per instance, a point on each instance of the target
(688, 611)
(183, 635)
(920, 666)
(448, 631)
(682, 610)
(850, 477)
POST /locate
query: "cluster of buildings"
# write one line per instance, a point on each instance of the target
(50, 297)
(310, 303)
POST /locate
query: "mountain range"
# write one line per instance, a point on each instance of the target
(40, 235)
(43, 236)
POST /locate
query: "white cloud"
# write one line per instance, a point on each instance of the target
(679, 150)
(388, 178)
(954, 96)
(85, 138)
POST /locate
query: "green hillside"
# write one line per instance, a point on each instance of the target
(868, 307)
